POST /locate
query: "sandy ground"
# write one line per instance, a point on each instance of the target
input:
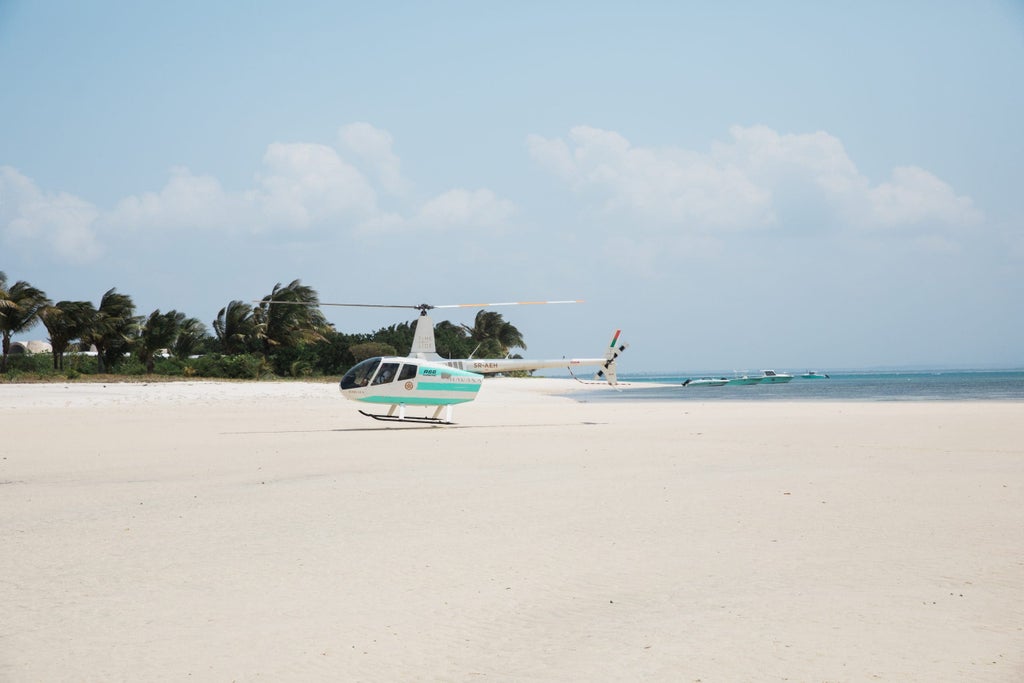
(221, 531)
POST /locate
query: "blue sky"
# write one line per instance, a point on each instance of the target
(735, 185)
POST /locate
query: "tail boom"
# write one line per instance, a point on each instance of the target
(493, 366)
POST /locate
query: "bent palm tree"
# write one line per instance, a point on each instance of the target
(235, 327)
(290, 316)
(112, 328)
(158, 333)
(191, 337)
(20, 307)
(66, 321)
(494, 336)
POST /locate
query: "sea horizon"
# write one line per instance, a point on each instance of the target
(851, 385)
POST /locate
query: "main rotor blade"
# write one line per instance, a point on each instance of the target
(324, 303)
(422, 307)
(510, 303)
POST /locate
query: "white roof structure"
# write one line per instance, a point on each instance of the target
(31, 347)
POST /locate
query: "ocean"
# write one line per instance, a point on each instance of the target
(935, 385)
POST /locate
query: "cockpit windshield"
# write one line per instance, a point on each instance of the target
(360, 373)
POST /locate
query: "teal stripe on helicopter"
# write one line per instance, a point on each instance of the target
(415, 401)
(445, 386)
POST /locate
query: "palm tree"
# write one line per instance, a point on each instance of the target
(235, 327)
(191, 337)
(66, 321)
(494, 336)
(20, 307)
(112, 328)
(290, 316)
(157, 333)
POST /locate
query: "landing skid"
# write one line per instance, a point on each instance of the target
(434, 419)
(396, 418)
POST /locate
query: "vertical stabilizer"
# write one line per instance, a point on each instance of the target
(423, 339)
(614, 350)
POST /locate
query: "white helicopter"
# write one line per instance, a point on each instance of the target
(423, 378)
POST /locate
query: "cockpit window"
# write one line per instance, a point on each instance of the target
(386, 373)
(408, 372)
(360, 373)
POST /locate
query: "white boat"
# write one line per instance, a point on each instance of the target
(745, 379)
(814, 375)
(772, 377)
(706, 382)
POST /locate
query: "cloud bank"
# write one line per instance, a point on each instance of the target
(757, 181)
(58, 222)
(299, 189)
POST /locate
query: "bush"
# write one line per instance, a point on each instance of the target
(332, 354)
(370, 349)
(30, 364)
(294, 361)
(81, 364)
(131, 366)
(171, 367)
(217, 366)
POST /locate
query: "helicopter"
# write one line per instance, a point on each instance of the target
(425, 379)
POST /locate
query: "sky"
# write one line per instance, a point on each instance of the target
(735, 185)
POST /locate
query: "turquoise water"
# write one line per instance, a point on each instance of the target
(938, 385)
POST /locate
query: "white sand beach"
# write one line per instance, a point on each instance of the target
(267, 531)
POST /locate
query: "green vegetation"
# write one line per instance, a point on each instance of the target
(284, 335)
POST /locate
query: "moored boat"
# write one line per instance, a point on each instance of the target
(745, 379)
(814, 375)
(706, 382)
(772, 377)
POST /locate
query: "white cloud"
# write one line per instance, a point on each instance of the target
(186, 202)
(662, 186)
(915, 196)
(760, 179)
(374, 146)
(305, 184)
(459, 208)
(299, 186)
(62, 222)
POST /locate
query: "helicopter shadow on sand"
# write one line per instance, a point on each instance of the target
(418, 427)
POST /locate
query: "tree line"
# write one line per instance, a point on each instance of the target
(284, 334)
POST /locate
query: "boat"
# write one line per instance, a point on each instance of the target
(814, 375)
(772, 377)
(706, 382)
(745, 379)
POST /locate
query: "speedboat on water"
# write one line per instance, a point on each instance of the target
(772, 377)
(745, 379)
(814, 375)
(706, 382)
